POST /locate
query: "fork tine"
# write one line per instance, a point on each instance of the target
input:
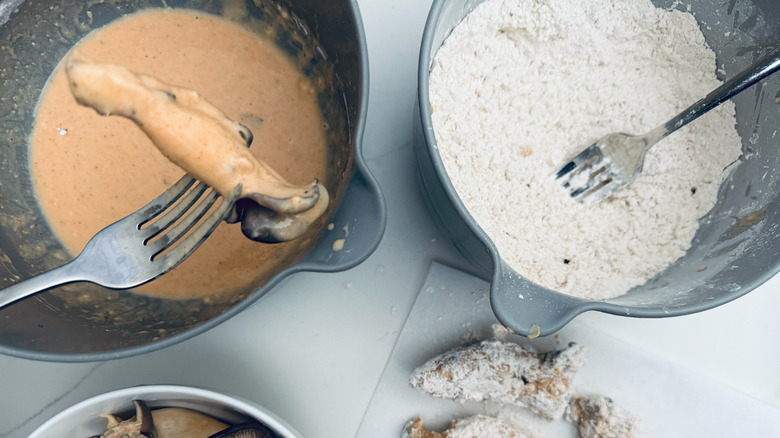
(577, 162)
(189, 219)
(190, 243)
(596, 182)
(583, 173)
(175, 213)
(597, 193)
(166, 199)
(117, 257)
(568, 167)
(585, 176)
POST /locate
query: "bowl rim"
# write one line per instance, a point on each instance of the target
(252, 409)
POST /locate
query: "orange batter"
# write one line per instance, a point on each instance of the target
(90, 171)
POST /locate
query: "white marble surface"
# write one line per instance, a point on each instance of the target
(314, 349)
(453, 309)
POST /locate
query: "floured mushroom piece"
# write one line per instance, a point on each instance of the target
(477, 426)
(503, 372)
(178, 423)
(598, 417)
(203, 141)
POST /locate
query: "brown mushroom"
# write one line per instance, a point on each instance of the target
(246, 430)
(162, 423)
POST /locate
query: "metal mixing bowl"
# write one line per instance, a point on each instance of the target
(325, 37)
(737, 246)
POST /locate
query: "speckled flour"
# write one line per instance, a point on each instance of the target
(520, 85)
(597, 416)
(503, 372)
(476, 426)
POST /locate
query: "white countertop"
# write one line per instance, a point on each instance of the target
(315, 348)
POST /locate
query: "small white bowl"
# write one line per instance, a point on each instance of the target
(83, 419)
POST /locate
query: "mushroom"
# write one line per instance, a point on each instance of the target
(246, 430)
(265, 225)
(162, 423)
(202, 140)
(139, 426)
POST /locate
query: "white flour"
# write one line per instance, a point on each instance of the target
(520, 85)
(597, 416)
(476, 426)
(479, 426)
(503, 372)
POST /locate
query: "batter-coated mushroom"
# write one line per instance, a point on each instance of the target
(190, 132)
(264, 225)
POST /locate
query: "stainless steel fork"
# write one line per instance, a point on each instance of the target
(140, 247)
(615, 160)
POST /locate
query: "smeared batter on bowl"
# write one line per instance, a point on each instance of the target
(90, 170)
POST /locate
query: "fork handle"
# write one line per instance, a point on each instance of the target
(756, 72)
(67, 273)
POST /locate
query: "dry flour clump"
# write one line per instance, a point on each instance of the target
(520, 85)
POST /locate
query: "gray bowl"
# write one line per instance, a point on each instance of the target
(34, 36)
(737, 246)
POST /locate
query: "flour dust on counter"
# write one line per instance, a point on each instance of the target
(521, 85)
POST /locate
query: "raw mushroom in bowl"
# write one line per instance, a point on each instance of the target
(177, 422)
